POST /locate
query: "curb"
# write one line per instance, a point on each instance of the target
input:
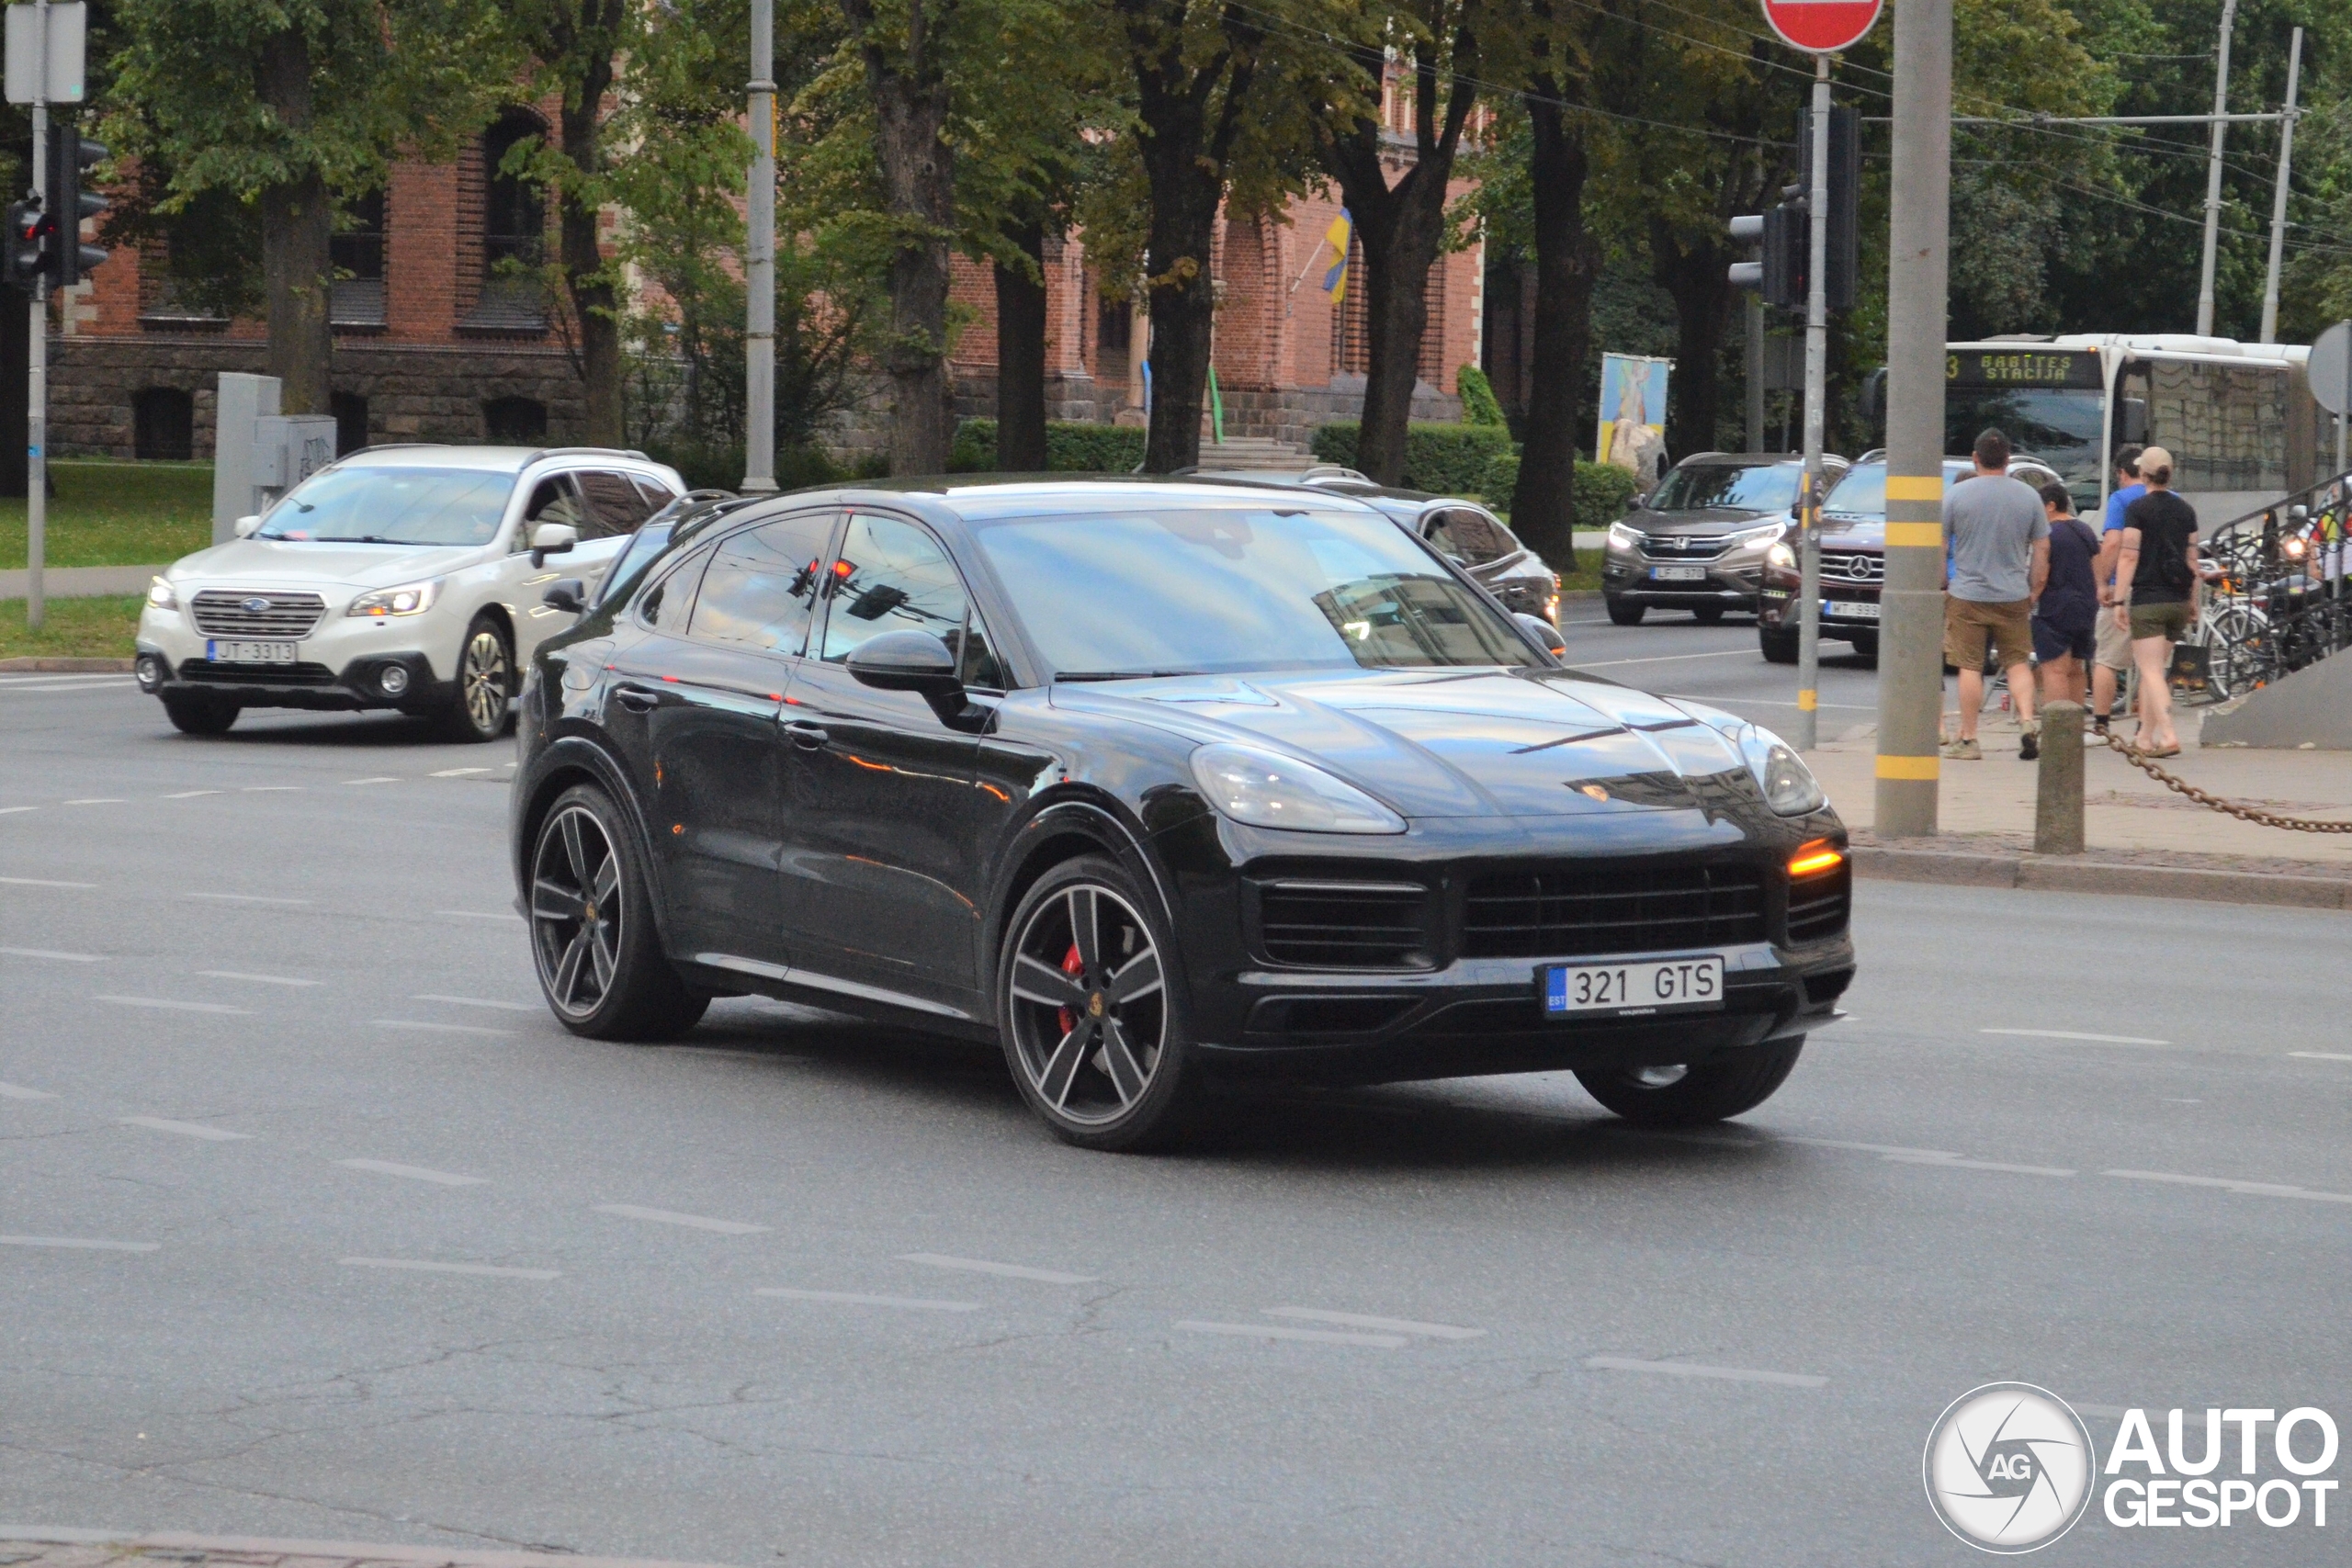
(67, 666)
(342, 1550)
(2056, 875)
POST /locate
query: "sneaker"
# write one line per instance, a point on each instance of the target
(1965, 751)
(2029, 746)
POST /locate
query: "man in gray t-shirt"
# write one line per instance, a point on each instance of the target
(1997, 539)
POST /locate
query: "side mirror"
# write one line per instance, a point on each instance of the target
(1545, 633)
(568, 595)
(245, 527)
(918, 662)
(552, 539)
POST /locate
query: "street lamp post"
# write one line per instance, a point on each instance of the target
(758, 260)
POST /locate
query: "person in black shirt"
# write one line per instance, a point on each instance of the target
(2065, 618)
(2159, 561)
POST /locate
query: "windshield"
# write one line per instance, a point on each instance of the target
(1862, 492)
(2061, 425)
(1761, 489)
(392, 507)
(1203, 591)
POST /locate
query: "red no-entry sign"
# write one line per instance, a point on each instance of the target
(1823, 27)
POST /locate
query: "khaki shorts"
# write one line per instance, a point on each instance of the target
(2169, 622)
(2114, 648)
(1970, 625)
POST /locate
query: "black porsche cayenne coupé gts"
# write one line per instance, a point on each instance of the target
(1155, 782)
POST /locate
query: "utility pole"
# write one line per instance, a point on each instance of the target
(1755, 372)
(37, 374)
(2213, 172)
(2279, 196)
(759, 261)
(1910, 662)
(1816, 382)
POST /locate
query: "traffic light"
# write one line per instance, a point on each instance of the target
(70, 155)
(1844, 238)
(1785, 241)
(21, 248)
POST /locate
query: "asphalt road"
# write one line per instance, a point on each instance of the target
(1719, 664)
(366, 1248)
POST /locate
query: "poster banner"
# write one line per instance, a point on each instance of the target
(1633, 415)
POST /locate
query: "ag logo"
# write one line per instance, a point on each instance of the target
(2008, 1467)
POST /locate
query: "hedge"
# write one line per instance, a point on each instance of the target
(1448, 459)
(1602, 489)
(1072, 447)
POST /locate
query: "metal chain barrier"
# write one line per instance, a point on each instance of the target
(2243, 813)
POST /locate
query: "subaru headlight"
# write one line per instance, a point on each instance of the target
(408, 599)
(1266, 789)
(160, 595)
(1622, 538)
(1780, 555)
(1788, 785)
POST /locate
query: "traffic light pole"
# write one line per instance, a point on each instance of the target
(1910, 661)
(37, 393)
(1816, 378)
(758, 260)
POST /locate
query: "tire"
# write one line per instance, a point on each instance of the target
(485, 683)
(1734, 1082)
(192, 713)
(594, 942)
(1065, 1000)
(1621, 613)
(1867, 646)
(1707, 614)
(1778, 644)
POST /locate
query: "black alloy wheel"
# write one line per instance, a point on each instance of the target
(1091, 1026)
(486, 682)
(1691, 1096)
(593, 937)
(193, 713)
(1622, 612)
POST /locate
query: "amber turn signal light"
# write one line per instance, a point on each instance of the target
(1815, 857)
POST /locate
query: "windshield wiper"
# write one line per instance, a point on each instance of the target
(364, 539)
(1122, 674)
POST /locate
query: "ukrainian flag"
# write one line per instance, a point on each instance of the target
(1343, 229)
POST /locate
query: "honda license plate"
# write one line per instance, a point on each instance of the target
(1852, 609)
(1632, 990)
(223, 652)
(1677, 574)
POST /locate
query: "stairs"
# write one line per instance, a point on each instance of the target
(1252, 453)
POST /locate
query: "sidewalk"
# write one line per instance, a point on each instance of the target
(81, 582)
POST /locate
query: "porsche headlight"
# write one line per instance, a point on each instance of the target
(1788, 785)
(1780, 555)
(1266, 789)
(1622, 538)
(160, 595)
(408, 599)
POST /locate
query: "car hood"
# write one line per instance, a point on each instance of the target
(1447, 743)
(271, 563)
(1852, 531)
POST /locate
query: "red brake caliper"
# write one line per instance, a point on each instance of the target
(1071, 965)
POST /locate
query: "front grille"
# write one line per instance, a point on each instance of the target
(204, 669)
(1818, 905)
(1344, 925)
(1575, 912)
(229, 611)
(1684, 547)
(1851, 566)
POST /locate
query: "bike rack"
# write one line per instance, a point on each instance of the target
(2283, 598)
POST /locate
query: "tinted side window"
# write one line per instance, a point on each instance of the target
(554, 499)
(614, 503)
(667, 602)
(761, 585)
(1469, 537)
(890, 577)
(657, 494)
(976, 660)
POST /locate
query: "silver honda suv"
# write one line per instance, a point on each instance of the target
(1697, 542)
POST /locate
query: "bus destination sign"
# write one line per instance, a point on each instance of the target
(2012, 367)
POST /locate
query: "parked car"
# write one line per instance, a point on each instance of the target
(399, 576)
(1697, 542)
(1151, 781)
(1853, 558)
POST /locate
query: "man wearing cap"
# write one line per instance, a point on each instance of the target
(1998, 540)
(2158, 562)
(2111, 657)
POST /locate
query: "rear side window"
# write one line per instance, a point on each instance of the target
(890, 577)
(657, 494)
(762, 585)
(615, 504)
(1470, 537)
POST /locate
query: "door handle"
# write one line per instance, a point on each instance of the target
(637, 701)
(807, 737)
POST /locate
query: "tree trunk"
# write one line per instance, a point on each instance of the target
(1567, 261)
(1020, 358)
(297, 220)
(910, 102)
(1696, 272)
(595, 302)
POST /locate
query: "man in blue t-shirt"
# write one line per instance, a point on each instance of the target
(2112, 657)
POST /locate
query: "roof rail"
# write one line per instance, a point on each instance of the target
(575, 451)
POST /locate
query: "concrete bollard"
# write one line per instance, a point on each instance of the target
(2058, 797)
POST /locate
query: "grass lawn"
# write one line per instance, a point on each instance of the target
(73, 628)
(114, 514)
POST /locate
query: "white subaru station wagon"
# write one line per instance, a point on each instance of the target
(399, 576)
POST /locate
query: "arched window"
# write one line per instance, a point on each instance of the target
(163, 424)
(514, 422)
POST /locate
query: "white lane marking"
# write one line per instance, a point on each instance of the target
(83, 1243)
(192, 793)
(2321, 1055)
(242, 898)
(374, 781)
(2246, 1188)
(1665, 658)
(478, 915)
(850, 1298)
(1691, 1370)
(2071, 1034)
(1941, 1158)
(42, 882)
(413, 1172)
(1313, 1335)
(100, 800)
(12, 810)
(672, 1217)
(170, 1006)
(459, 773)
(51, 953)
(423, 1267)
(1008, 1270)
(1386, 1324)
(478, 1002)
(421, 1027)
(18, 1091)
(257, 979)
(184, 1129)
(271, 789)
